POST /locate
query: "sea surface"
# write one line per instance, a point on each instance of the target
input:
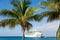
(27, 38)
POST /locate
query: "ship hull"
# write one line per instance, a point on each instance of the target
(33, 34)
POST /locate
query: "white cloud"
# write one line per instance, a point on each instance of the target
(48, 29)
(10, 32)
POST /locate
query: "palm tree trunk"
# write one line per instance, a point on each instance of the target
(58, 32)
(23, 34)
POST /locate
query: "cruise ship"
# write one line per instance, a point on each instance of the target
(33, 34)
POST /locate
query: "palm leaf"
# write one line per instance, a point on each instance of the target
(11, 22)
(31, 10)
(36, 17)
(55, 1)
(48, 4)
(12, 13)
(47, 13)
(17, 4)
(54, 16)
(25, 4)
(28, 11)
(28, 26)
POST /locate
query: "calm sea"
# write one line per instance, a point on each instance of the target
(20, 38)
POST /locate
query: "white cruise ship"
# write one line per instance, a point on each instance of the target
(33, 34)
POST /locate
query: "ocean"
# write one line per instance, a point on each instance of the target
(27, 38)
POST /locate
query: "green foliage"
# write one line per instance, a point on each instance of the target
(21, 14)
(54, 6)
(12, 13)
(58, 32)
(54, 14)
(28, 26)
(55, 1)
(11, 22)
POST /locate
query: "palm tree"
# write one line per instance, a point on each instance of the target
(58, 32)
(21, 14)
(53, 12)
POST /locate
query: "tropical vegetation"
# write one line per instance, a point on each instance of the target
(53, 12)
(20, 14)
(58, 32)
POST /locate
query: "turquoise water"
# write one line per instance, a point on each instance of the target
(20, 38)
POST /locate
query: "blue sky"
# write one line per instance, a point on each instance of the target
(48, 29)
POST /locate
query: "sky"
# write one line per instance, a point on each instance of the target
(47, 29)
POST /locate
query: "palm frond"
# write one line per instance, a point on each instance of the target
(21, 5)
(55, 1)
(28, 11)
(36, 17)
(31, 10)
(25, 4)
(17, 4)
(48, 4)
(47, 13)
(54, 16)
(55, 8)
(28, 26)
(10, 22)
(12, 13)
